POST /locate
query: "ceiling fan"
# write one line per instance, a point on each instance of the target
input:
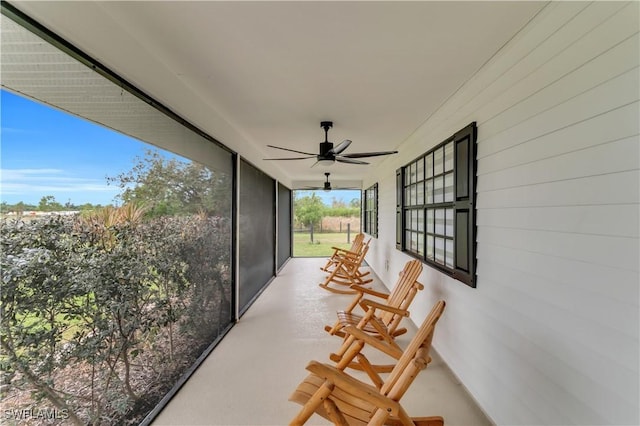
(327, 185)
(330, 154)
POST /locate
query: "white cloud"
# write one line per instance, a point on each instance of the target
(18, 174)
(35, 183)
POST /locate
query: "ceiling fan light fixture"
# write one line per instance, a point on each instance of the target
(326, 163)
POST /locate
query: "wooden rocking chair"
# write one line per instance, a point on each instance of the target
(347, 272)
(382, 320)
(338, 253)
(344, 400)
(391, 311)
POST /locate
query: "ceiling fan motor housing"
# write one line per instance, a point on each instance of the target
(326, 146)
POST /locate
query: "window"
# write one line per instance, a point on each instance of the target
(435, 216)
(371, 210)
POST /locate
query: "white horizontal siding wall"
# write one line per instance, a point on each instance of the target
(551, 333)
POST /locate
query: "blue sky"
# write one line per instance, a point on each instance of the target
(344, 195)
(48, 152)
(44, 151)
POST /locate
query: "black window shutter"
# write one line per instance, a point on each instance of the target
(465, 224)
(363, 211)
(374, 221)
(399, 215)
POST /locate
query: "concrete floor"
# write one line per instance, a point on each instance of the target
(248, 377)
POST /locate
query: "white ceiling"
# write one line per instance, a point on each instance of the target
(258, 73)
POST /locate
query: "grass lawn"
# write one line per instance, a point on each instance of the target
(322, 243)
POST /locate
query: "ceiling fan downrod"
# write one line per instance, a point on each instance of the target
(326, 125)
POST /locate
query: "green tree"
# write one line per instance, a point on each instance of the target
(48, 203)
(174, 186)
(87, 207)
(19, 208)
(309, 210)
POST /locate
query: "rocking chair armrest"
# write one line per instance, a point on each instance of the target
(339, 250)
(347, 255)
(376, 305)
(361, 289)
(355, 387)
(381, 345)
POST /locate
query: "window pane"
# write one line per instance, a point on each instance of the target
(439, 221)
(420, 193)
(408, 240)
(448, 157)
(448, 187)
(414, 195)
(438, 159)
(407, 196)
(412, 173)
(439, 250)
(420, 220)
(428, 166)
(420, 170)
(449, 224)
(407, 218)
(438, 189)
(430, 220)
(414, 241)
(421, 244)
(449, 253)
(429, 191)
(430, 247)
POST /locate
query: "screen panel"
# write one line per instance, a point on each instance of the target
(284, 225)
(257, 233)
(147, 250)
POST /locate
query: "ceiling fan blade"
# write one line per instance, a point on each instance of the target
(342, 159)
(341, 147)
(290, 158)
(292, 150)
(369, 154)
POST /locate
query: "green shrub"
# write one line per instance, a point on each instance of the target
(120, 304)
